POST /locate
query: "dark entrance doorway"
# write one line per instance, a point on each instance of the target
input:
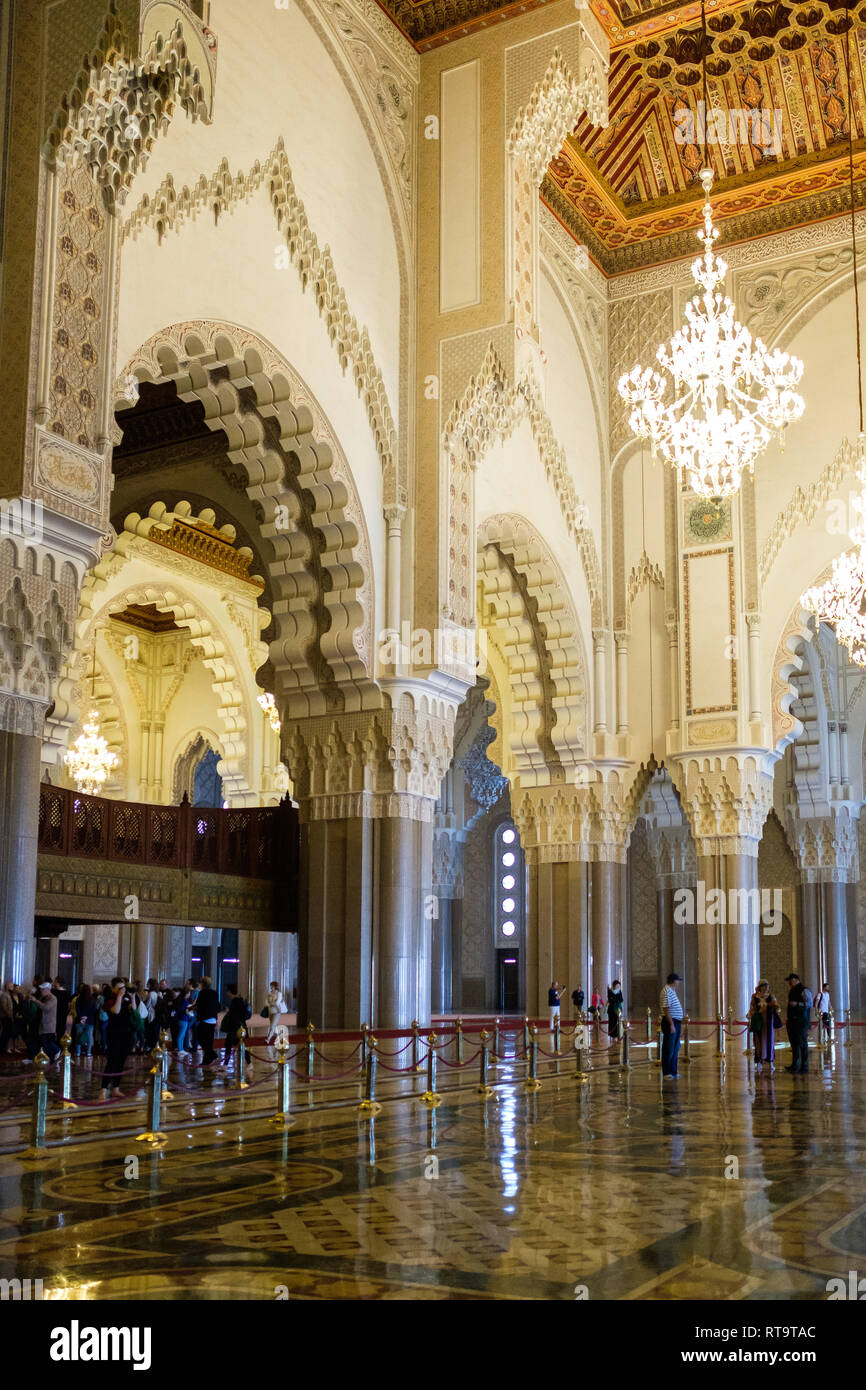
(508, 993)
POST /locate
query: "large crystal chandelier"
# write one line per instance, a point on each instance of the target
(841, 600)
(729, 393)
(89, 760)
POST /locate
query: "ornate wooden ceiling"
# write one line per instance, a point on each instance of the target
(630, 192)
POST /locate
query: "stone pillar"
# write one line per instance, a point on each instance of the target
(557, 936)
(365, 942)
(145, 962)
(599, 647)
(621, 640)
(605, 883)
(727, 801)
(443, 960)
(19, 828)
(741, 936)
(827, 853)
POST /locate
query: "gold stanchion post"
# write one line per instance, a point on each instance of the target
(39, 1113)
(686, 1040)
(532, 1082)
(459, 1041)
(624, 1059)
(431, 1097)
(66, 1072)
(484, 1087)
(556, 1035)
(849, 1036)
(368, 1105)
(241, 1074)
(496, 1039)
(363, 1063)
(721, 1041)
(525, 1033)
(283, 1117)
(154, 1135)
(164, 1040)
(649, 1024)
(311, 1056)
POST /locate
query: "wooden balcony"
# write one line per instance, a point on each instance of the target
(180, 863)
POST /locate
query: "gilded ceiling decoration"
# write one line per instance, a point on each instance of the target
(429, 23)
(777, 123)
(630, 192)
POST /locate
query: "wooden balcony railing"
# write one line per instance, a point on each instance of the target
(248, 843)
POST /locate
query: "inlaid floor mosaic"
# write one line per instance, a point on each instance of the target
(721, 1186)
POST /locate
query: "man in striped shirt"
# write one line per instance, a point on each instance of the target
(672, 1022)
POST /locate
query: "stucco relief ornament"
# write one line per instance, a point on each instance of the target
(730, 392)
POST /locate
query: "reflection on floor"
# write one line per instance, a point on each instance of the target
(722, 1185)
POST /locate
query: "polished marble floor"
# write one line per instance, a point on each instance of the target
(723, 1185)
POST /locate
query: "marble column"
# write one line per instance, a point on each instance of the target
(443, 959)
(605, 885)
(404, 935)
(813, 965)
(145, 962)
(557, 926)
(835, 934)
(741, 937)
(19, 827)
(708, 937)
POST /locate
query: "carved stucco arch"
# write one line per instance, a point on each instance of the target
(321, 569)
(489, 412)
(523, 591)
(168, 596)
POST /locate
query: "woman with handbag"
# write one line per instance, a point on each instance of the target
(275, 1005)
(764, 1021)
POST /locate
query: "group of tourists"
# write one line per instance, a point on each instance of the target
(119, 1019)
(764, 1019)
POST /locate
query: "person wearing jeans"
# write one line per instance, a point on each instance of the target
(672, 1022)
(207, 1007)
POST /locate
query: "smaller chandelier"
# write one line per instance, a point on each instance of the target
(89, 760)
(730, 393)
(269, 705)
(841, 600)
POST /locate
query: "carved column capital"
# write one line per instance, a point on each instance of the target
(727, 801)
(826, 847)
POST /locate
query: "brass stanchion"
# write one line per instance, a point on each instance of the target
(581, 1050)
(416, 1049)
(431, 1098)
(624, 1060)
(283, 1117)
(820, 1040)
(849, 1036)
(154, 1135)
(311, 1056)
(66, 1072)
(620, 1024)
(241, 1075)
(532, 1082)
(484, 1087)
(164, 1039)
(39, 1113)
(686, 1040)
(721, 1041)
(525, 1033)
(660, 1037)
(649, 1024)
(459, 1040)
(496, 1038)
(363, 1063)
(556, 1035)
(832, 1028)
(368, 1105)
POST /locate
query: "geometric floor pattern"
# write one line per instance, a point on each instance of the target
(617, 1187)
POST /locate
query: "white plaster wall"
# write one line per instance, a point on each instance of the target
(275, 78)
(826, 344)
(570, 404)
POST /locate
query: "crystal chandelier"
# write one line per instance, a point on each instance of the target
(89, 760)
(841, 600)
(729, 393)
(269, 705)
